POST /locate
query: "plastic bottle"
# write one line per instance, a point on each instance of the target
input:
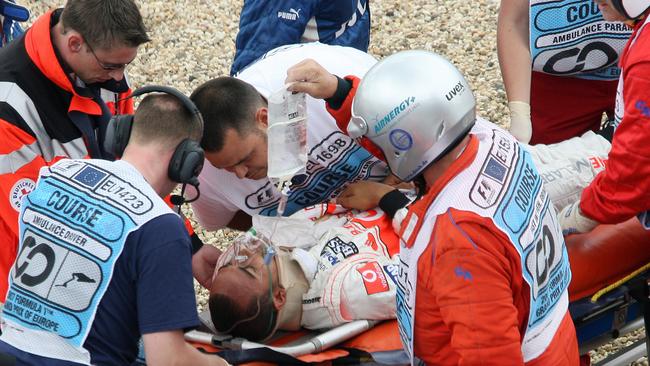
(287, 136)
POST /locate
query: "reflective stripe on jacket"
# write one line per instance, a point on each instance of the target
(38, 108)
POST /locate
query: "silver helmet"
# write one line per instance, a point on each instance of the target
(414, 105)
(631, 9)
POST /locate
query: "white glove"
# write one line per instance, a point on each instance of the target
(520, 125)
(573, 221)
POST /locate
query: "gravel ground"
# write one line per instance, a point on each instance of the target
(193, 41)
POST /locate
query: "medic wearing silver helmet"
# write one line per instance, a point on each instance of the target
(622, 190)
(484, 269)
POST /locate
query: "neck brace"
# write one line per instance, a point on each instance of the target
(293, 280)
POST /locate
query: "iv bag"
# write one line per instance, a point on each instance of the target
(287, 135)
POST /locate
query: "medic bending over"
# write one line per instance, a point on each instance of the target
(234, 185)
(497, 293)
(622, 190)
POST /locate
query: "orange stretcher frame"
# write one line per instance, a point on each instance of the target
(606, 255)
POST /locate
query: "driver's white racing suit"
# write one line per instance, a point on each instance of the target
(349, 259)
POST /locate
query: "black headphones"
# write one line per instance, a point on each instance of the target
(186, 162)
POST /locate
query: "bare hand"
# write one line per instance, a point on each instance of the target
(363, 195)
(203, 263)
(310, 77)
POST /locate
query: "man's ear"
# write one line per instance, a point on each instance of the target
(262, 117)
(74, 42)
(279, 298)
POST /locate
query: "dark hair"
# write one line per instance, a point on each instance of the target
(226, 103)
(164, 118)
(105, 23)
(228, 315)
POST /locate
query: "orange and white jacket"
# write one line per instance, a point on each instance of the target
(40, 111)
(484, 268)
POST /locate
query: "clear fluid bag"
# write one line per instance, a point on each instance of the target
(287, 135)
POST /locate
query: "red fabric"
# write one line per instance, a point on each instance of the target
(12, 188)
(39, 47)
(616, 250)
(622, 190)
(188, 224)
(478, 317)
(480, 320)
(13, 139)
(564, 107)
(382, 226)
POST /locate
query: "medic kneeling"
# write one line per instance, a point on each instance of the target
(484, 268)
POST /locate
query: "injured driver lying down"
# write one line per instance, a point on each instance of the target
(322, 267)
(325, 266)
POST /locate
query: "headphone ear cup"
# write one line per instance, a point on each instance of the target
(186, 163)
(117, 136)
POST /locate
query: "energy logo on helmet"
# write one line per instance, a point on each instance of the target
(388, 118)
(400, 139)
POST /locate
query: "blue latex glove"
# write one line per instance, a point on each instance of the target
(10, 15)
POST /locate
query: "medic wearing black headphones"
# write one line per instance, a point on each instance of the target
(184, 168)
(103, 261)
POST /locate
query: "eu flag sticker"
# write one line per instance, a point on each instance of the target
(495, 170)
(89, 176)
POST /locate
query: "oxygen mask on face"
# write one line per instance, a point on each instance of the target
(243, 250)
(287, 140)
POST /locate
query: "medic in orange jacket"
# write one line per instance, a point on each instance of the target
(473, 303)
(622, 190)
(40, 110)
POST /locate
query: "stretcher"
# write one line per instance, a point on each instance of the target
(608, 292)
(609, 288)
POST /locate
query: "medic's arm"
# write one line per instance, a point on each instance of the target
(622, 190)
(513, 49)
(514, 59)
(310, 77)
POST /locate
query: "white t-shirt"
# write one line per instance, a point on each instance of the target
(334, 160)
